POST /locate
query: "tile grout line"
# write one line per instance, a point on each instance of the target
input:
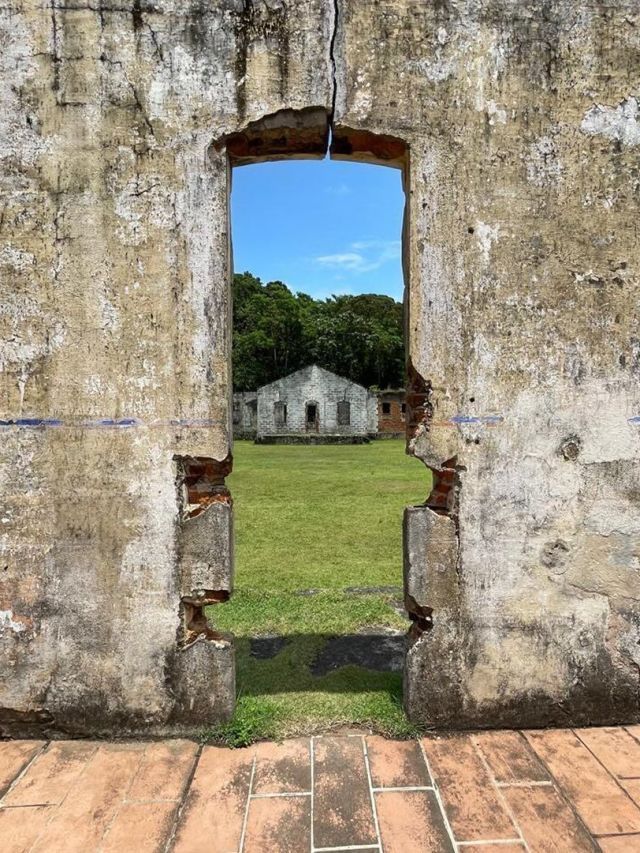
(498, 791)
(283, 794)
(57, 806)
(171, 835)
(617, 835)
(494, 842)
(371, 794)
(564, 795)
(615, 778)
(150, 802)
(246, 808)
(399, 789)
(635, 737)
(436, 792)
(135, 775)
(532, 784)
(627, 730)
(122, 802)
(45, 746)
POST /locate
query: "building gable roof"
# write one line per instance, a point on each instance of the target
(308, 372)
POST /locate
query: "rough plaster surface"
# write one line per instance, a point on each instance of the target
(521, 253)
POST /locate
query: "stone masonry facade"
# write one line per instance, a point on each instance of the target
(517, 129)
(313, 400)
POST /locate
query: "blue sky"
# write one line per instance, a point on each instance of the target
(323, 227)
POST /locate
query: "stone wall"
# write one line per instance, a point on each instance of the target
(518, 129)
(245, 414)
(326, 391)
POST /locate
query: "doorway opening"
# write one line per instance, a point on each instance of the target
(320, 487)
(312, 418)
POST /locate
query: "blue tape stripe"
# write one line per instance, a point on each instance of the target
(481, 419)
(108, 423)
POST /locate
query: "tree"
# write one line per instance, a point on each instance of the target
(276, 332)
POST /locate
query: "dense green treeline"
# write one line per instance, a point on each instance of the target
(276, 332)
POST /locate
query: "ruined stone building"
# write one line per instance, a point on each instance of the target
(315, 402)
(392, 411)
(245, 414)
(517, 129)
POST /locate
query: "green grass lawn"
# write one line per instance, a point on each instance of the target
(318, 520)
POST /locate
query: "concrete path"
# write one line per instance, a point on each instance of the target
(499, 792)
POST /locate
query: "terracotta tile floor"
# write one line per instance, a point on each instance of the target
(491, 792)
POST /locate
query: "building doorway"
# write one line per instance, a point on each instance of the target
(312, 418)
(317, 610)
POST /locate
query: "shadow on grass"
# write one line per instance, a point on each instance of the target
(328, 662)
(306, 665)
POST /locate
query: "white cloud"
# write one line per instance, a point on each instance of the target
(363, 256)
(338, 189)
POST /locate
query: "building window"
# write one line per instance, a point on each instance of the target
(386, 408)
(344, 413)
(280, 413)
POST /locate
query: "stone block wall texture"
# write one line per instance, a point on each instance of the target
(325, 389)
(521, 255)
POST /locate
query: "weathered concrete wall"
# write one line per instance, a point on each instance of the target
(521, 254)
(322, 388)
(115, 315)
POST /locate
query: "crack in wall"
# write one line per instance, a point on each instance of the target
(333, 60)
